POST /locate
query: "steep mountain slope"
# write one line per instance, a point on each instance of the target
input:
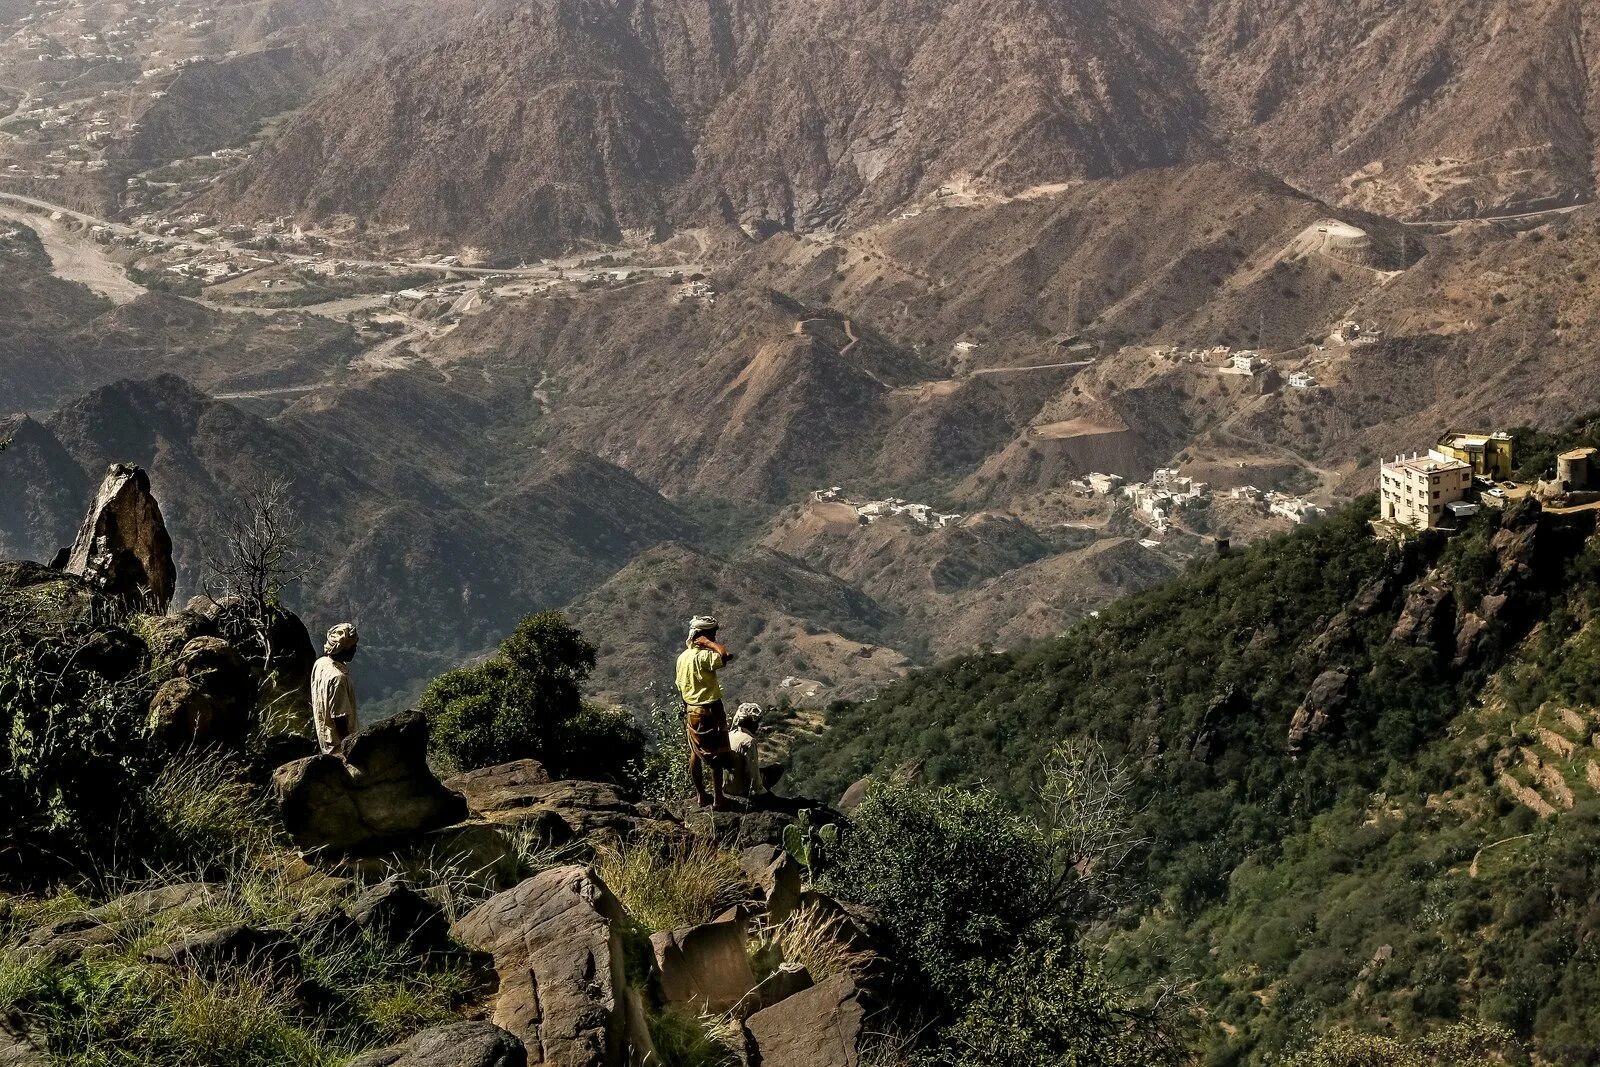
(1332, 739)
(1477, 107)
(529, 128)
(215, 105)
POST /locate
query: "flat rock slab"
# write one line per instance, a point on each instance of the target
(705, 967)
(818, 1027)
(503, 788)
(557, 943)
(470, 1044)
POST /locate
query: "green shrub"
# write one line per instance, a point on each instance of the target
(527, 703)
(664, 767)
(73, 748)
(1469, 1044)
(955, 875)
(1045, 1004)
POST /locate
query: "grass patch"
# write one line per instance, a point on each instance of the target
(669, 882)
(810, 938)
(683, 1040)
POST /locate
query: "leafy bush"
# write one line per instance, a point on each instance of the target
(954, 874)
(75, 746)
(664, 768)
(1045, 1004)
(528, 704)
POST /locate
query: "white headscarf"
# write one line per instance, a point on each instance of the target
(747, 716)
(700, 624)
(342, 638)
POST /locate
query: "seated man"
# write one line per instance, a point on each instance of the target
(746, 776)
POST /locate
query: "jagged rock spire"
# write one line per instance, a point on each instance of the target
(123, 547)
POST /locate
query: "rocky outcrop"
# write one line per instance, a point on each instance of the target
(776, 875)
(123, 548)
(824, 1026)
(469, 1044)
(704, 968)
(521, 794)
(565, 991)
(1426, 617)
(1321, 709)
(379, 793)
(394, 912)
(211, 952)
(97, 930)
(208, 700)
(504, 789)
(18, 1046)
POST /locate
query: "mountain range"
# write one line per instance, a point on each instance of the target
(529, 127)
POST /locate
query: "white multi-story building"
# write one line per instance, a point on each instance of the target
(1416, 490)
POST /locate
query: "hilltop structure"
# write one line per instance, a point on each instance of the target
(1489, 454)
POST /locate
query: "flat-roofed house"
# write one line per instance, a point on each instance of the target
(1489, 454)
(1415, 490)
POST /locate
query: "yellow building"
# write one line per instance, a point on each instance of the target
(1417, 491)
(1489, 454)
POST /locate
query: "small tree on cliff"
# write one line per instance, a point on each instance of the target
(259, 555)
(527, 703)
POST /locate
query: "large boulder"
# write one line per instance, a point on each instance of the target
(557, 943)
(379, 793)
(123, 548)
(166, 635)
(209, 700)
(1322, 708)
(285, 696)
(469, 1044)
(823, 1026)
(705, 968)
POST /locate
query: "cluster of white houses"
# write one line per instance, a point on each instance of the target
(1168, 492)
(873, 510)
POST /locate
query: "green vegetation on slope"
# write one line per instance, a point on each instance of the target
(1336, 884)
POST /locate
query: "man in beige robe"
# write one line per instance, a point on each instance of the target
(333, 694)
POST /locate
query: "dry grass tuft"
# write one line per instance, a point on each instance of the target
(811, 937)
(670, 882)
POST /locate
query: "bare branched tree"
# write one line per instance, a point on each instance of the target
(260, 554)
(1088, 825)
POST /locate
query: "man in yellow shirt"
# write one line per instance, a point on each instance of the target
(701, 690)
